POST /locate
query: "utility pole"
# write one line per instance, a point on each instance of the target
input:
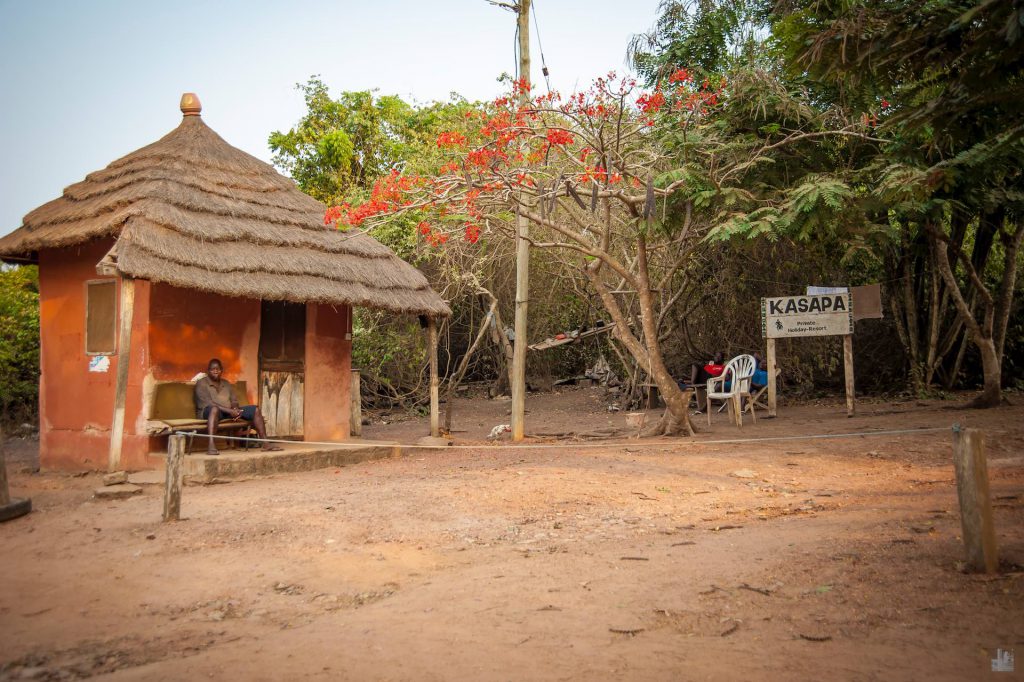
(522, 253)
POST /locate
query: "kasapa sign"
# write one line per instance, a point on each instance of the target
(821, 315)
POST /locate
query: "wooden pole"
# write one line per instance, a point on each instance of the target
(971, 469)
(123, 360)
(5, 493)
(773, 372)
(851, 406)
(522, 256)
(435, 415)
(10, 508)
(355, 405)
(172, 479)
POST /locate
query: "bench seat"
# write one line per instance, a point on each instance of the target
(173, 408)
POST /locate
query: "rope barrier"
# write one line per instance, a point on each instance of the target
(552, 446)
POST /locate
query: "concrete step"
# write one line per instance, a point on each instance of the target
(233, 464)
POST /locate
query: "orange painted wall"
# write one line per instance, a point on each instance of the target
(76, 406)
(328, 375)
(188, 327)
(175, 332)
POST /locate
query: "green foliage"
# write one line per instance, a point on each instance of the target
(19, 344)
(390, 354)
(346, 143)
(710, 37)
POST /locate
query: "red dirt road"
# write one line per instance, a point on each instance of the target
(790, 560)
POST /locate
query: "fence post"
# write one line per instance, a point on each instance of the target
(10, 508)
(5, 493)
(975, 502)
(355, 405)
(172, 481)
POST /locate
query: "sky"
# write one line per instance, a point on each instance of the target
(86, 82)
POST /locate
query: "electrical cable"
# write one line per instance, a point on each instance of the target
(543, 64)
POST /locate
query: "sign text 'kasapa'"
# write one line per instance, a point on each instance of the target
(821, 315)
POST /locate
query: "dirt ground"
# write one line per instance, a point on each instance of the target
(785, 559)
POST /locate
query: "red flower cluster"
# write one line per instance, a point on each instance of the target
(652, 103)
(680, 76)
(472, 232)
(559, 137)
(595, 173)
(388, 195)
(451, 139)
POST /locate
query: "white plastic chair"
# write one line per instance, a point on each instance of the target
(738, 373)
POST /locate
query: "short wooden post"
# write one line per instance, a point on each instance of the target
(773, 372)
(5, 493)
(10, 508)
(435, 402)
(172, 480)
(851, 406)
(971, 469)
(355, 405)
(123, 360)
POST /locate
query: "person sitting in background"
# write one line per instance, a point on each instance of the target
(215, 399)
(699, 374)
(760, 378)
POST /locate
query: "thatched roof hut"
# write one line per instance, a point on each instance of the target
(192, 211)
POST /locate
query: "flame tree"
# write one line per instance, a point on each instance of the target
(591, 176)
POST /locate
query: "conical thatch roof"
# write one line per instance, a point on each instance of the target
(193, 211)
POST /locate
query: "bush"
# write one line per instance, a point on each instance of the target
(19, 345)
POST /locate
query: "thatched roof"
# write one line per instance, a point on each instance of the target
(193, 211)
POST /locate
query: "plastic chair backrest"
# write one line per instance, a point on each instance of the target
(740, 370)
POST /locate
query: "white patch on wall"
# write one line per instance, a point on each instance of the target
(99, 363)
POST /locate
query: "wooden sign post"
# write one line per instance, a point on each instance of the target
(817, 315)
(851, 406)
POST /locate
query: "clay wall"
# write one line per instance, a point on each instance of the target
(75, 404)
(328, 376)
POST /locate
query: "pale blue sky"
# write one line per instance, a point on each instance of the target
(85, 82)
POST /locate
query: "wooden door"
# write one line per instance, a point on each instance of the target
(282, 367)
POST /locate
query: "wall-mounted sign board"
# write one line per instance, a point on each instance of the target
(820, 315)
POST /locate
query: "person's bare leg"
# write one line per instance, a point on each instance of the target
(261, 430)
(211, 428)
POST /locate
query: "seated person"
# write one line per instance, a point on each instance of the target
(760, 378)
(699, 374)
(215, 399)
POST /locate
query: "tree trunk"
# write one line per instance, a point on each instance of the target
(991, 394)
(676, 420)
(981, 333)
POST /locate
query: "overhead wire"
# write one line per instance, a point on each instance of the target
(540, 47)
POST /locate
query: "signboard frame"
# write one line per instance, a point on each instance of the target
(808, 315)
(814, 317)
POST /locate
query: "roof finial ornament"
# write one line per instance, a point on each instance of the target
(190, 105)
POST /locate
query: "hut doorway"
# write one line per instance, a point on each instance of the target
(282, 367)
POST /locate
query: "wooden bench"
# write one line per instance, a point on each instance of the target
(173, 409)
